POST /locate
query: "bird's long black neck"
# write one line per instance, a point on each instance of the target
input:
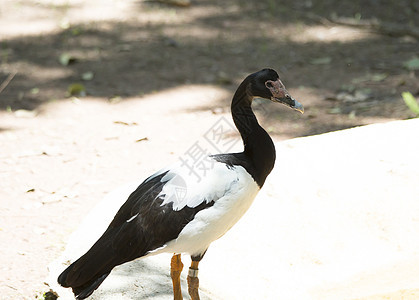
(258, 146)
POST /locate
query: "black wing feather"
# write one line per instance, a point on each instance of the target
(123, 241)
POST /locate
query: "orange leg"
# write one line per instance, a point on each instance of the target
(176, 267)
(193, 281)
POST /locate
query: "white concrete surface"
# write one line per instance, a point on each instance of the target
(338, 218)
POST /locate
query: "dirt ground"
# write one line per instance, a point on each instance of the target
(97, 93)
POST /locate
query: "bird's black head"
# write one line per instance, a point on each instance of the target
(266, 84)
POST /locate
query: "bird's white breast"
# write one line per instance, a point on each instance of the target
(213, 222)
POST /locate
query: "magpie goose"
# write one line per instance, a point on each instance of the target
(157, 218)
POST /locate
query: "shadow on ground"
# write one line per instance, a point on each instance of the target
(158, 47)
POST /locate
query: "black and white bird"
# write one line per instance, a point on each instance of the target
(156, 218)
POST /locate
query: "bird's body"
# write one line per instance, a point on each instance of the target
(173, 211)
(225, 207)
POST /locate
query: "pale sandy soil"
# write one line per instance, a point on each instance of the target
(162, 77)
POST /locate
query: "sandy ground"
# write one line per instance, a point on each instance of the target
(335, 220)
(159, 79)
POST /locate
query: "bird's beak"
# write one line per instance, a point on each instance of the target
(296, 105)
(290, 102)
(281, 95)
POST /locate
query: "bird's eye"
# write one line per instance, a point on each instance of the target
(269, 84)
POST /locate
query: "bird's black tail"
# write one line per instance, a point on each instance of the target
(83, 276)
(88, 272)
(84, 290)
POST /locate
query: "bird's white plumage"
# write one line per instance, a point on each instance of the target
(231, 188)
(184, 187)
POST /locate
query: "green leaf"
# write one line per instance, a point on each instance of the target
(378, 77)
(412, 64)
(87, 75)
(75, 31)
(65, 59)
(321, 60)
(411, 102)
(76, 89)
(35, 91)
(334, 111)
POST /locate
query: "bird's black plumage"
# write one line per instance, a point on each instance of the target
(123, 241)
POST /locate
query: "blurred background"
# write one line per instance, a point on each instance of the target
(348, 61)
(89, 89)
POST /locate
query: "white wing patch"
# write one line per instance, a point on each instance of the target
(212, 223)
(184, 188)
